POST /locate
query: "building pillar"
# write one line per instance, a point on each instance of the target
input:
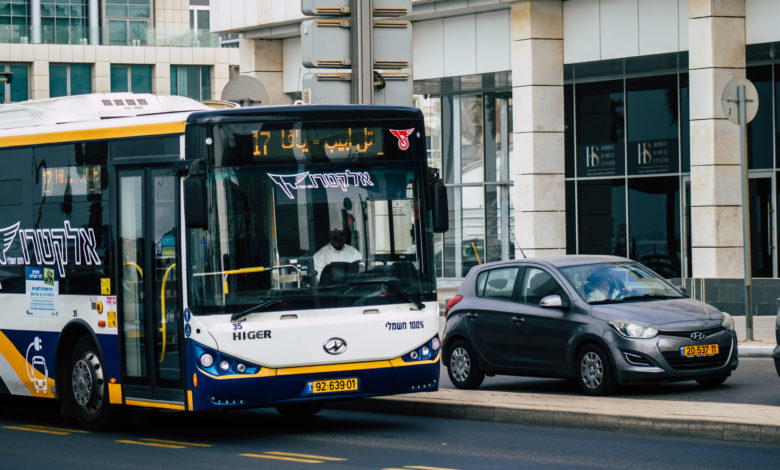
(94, 23)
(262, 59)
(538, 127)
(717, 54)
(35, 21)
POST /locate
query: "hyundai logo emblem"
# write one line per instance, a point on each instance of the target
(335, 346)
(697, 336)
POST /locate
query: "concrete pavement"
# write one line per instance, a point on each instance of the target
(719, 421)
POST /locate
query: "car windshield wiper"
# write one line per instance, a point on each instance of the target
(646, 297)
(264, 305)
(606, 301)
(392, 286)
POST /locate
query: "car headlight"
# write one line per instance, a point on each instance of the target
(633, 330)
(728, 321)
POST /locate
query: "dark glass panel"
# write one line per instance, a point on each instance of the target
(759, 130)
(600, 134)
(602, 217)
(568, 126)
(651, 106)
(20, 84)
(58, 80)
(685, 128)
(654, 224)
(119, 78)
(760, 190)
(80, 79)
(141, 78)
(571, 219)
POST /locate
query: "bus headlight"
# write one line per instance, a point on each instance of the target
(224, 365)
(425, 352)
(207, 360)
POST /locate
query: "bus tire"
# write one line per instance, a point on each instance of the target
(87, 391)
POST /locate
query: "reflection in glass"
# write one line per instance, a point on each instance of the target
(471, 139)
(131, 240)
(685, 128)
(602, 217)
(473, 228)
(652, 125)
(761, 242)
(654, 224)
(600, 133)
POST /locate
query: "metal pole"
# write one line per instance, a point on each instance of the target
(745, 209)
(362, 61)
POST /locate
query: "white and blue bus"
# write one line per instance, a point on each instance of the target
(158, 253)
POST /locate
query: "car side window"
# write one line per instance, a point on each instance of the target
(497, 283)
(538, 284)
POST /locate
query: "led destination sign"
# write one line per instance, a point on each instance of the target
(330, 142)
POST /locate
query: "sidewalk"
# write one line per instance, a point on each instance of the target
(720, 421)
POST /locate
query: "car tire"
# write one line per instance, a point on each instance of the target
(462, 367)
(711, 382)
(87, 392)
(594, 371)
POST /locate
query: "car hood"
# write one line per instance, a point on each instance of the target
(671, 314)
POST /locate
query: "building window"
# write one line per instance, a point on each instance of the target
(15, 21)
(70, 79)
(193, 81)
(624, 179)
(134, 78)
(18, 89)
(128, 22)
(64, 22)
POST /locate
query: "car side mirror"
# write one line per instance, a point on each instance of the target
(554, 301)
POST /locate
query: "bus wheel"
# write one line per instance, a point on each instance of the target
(298, 410)
(88, 391)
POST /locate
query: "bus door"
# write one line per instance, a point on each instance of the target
(147, 200)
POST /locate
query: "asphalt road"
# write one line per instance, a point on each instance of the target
(754, 382)
(32, 438)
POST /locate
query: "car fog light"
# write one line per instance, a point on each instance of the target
(425, 350)
(224, 365)
(414, 355)
(435, 344)
(241, 368)
(207, 360)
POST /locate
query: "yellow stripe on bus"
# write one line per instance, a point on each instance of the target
(155, 404)
(94, 134)
(20, 365)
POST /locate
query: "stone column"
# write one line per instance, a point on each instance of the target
(537, 106)
(717, 54)
(262, 60)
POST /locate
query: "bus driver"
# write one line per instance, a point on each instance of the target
(336, 250)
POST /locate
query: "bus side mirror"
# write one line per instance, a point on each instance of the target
(441, 212)
(195, 212)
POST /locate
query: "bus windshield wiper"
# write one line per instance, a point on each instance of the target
(392, 285)
(264, 305)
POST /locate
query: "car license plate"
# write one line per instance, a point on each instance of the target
(349, 384)
(699, 350)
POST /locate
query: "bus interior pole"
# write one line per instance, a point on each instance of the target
(742, 114)
(362, 46)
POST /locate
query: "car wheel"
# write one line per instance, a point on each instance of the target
(712, 381)
(462, 368)
(88, 390)
(595, 371)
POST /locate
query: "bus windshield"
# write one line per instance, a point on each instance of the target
(308, 235)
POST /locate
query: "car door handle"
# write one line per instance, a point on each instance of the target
(472, 315)
(518, 320)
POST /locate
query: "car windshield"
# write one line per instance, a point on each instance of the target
(617, 282)
(308, 236)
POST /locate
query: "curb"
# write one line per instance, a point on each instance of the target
(755, 350)
(661, 426)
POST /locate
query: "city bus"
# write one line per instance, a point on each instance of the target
(158, 253)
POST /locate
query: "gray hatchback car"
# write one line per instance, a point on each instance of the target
(601, 320)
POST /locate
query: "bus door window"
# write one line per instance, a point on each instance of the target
(131, 283)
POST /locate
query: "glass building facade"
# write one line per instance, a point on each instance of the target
(469, 131)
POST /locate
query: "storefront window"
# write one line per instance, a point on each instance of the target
(602, 217)
(600, 135)
(654, 224)
(471, 139)
(652, 125)
(685, 126)
(759, 130)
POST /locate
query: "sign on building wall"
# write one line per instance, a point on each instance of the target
(653, 157)
(600, 160)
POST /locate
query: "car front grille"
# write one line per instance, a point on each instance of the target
(687, 334)
(679, 362)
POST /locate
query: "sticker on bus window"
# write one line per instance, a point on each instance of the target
(112, 319)
(403, 137)
(105, 286)
(42, 289)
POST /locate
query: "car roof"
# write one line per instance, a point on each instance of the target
(558, 261)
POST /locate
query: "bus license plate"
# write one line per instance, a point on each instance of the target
(699, 350)
(334, 385)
